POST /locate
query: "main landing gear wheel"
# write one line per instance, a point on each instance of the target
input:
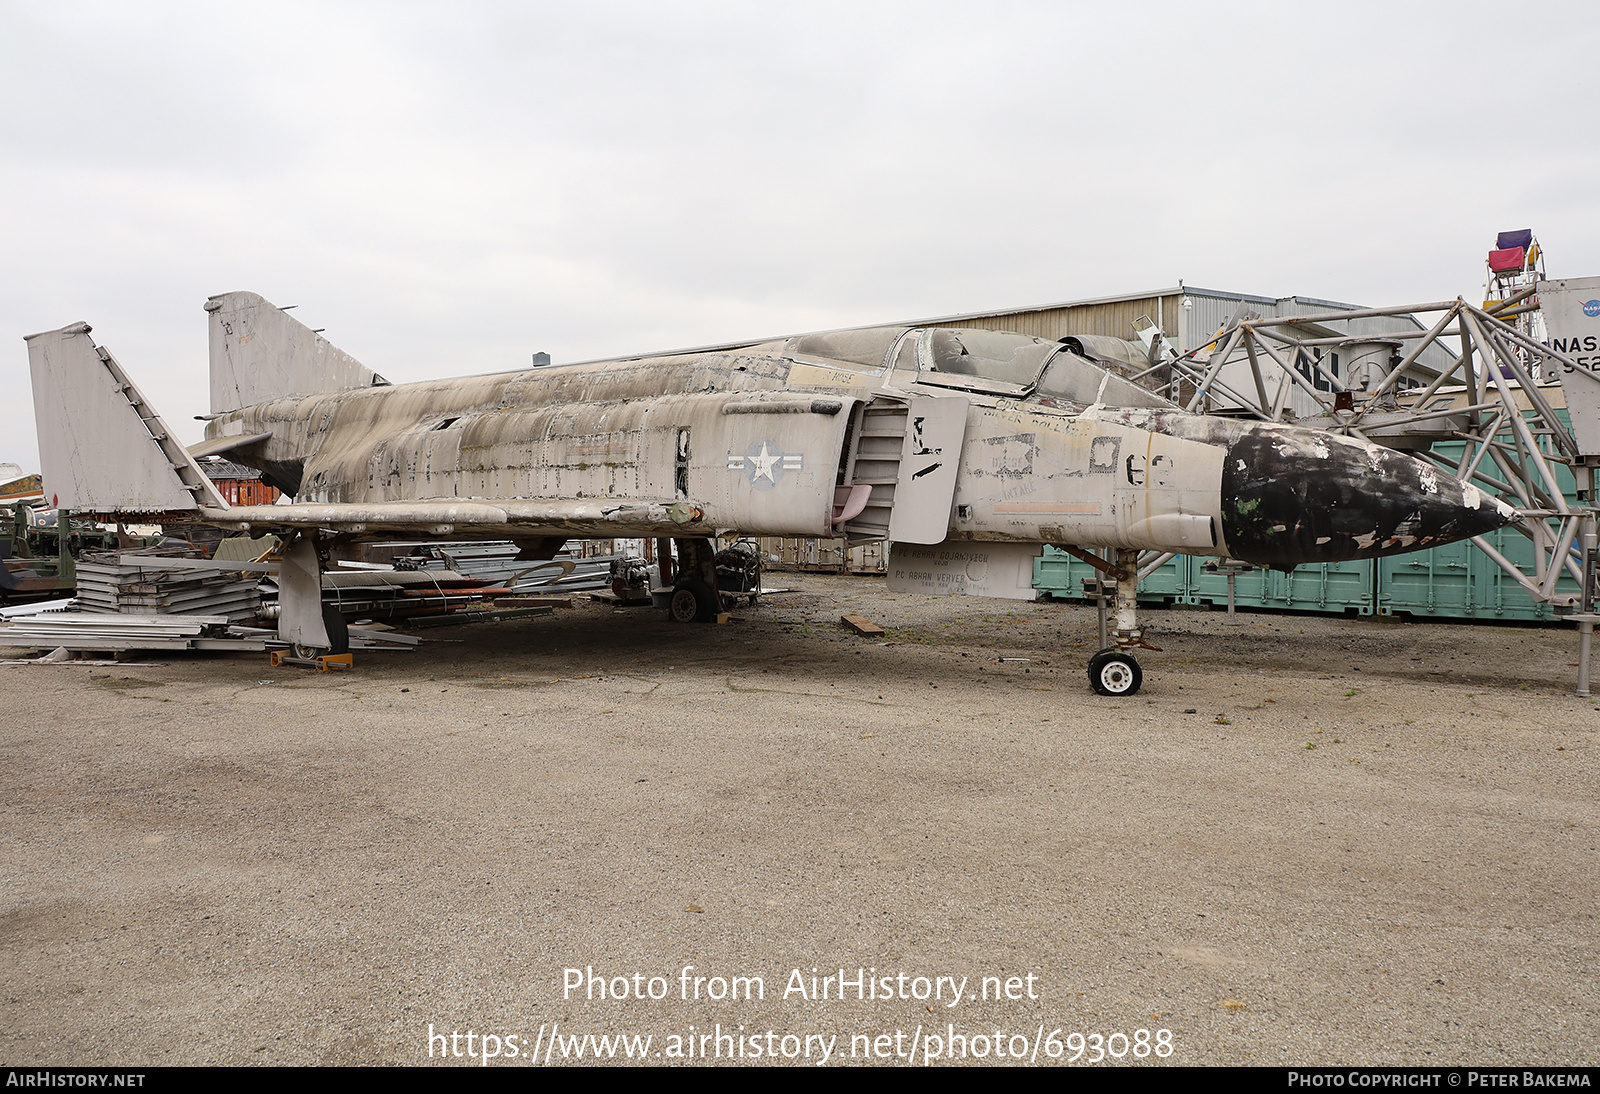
(692, 602)
(338, 629)
(1115, 673)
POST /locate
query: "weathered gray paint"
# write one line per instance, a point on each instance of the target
(258, 351)
(101, 446)
(759, 438)
(300, 596)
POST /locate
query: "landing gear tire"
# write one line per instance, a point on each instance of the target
(338, 629)
(333, 622)
(1114, 673)
(692, 602)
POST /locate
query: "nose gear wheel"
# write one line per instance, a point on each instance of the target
(1115, 673)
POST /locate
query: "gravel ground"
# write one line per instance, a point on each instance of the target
(1305, 841)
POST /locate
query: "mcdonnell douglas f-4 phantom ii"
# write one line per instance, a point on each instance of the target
(965, 449)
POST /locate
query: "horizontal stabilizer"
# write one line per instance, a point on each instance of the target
(218, 445)
(259, 353)
(102, 448)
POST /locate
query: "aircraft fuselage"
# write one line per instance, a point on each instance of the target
(959, 434)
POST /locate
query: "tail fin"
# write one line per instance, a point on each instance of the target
(102, 448)
(259, 353)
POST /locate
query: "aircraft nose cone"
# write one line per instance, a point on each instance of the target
(1295, 496)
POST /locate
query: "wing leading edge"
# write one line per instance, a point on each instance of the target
(573, 517)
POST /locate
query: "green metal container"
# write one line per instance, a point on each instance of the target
(1336, 587)
(1459, 581)
(1252, 587)
(1059, 576)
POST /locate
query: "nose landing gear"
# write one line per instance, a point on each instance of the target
(1113, 671)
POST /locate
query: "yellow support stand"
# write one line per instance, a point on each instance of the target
(331, 662)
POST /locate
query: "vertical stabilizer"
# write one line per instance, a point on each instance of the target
(102, 448)
(258, 352)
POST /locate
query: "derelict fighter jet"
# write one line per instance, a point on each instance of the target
(966, 449)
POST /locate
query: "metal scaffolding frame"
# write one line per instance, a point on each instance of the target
(1512, 437)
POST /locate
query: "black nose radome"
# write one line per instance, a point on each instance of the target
(1294, 496)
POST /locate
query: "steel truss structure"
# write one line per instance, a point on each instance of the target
(1487, 398)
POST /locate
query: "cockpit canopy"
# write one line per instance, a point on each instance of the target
(989, 354)
(990, 362)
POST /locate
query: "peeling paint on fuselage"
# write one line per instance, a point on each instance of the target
(1032, 468)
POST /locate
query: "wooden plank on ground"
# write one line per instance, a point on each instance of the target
(862, 625)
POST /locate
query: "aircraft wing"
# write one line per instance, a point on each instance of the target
(572, 517)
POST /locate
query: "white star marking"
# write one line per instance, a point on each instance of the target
(763, 463)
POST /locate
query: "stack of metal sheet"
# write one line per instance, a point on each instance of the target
(398, 594)
(492, 563)
(102, 631)
(496, 562)
(83, 631)
(130, 585)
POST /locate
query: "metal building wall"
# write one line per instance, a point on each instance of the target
(1189, 316)
(1112, 316)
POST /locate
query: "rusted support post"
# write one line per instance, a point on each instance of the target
(66, 565)
(1589, 540)
(1128, 634)
(697, 561)
(1585, 638)
(664, 554)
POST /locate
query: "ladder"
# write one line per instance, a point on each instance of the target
(877, 439)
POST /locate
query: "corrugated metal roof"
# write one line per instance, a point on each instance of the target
(1291, 305)
(226, 469)
(1174, 290)
(1179, 289)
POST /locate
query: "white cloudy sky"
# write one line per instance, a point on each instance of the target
(449, 187)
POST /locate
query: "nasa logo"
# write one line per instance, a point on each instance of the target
(1591, 308)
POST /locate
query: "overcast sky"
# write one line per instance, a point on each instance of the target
(449, 188)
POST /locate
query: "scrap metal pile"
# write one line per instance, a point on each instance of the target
(169, 599)
(437, 579)
(399, 594)
(496, 563)
(79, 631)
(167, 584)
